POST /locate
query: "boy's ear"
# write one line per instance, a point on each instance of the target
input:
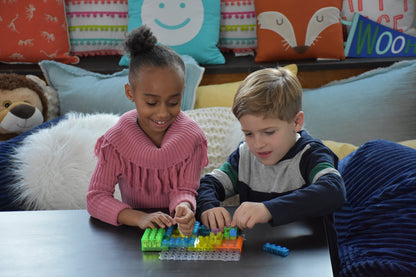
(299, 119)
(292, 67)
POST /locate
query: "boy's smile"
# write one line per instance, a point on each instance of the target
(269, 139)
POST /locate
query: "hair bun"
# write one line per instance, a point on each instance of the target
(140, 40)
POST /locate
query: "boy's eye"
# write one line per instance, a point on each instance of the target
(270, 132)
(247, 134)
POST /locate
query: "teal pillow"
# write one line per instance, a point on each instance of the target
(378, 104)
(84, 91)
(190, 27)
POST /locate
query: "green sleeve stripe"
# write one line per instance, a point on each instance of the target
(318, 168)
(228, 169)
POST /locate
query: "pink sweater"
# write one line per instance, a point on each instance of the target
(148, 176)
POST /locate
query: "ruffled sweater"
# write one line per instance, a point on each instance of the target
(148, 176)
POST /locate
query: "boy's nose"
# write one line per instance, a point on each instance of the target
(258, 142)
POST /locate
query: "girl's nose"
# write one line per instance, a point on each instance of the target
(163, 112)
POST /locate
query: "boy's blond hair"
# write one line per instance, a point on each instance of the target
(272, 92)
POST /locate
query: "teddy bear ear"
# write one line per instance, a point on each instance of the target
(38, 81)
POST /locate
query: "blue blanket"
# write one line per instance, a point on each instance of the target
(377, 225)
(8, 199)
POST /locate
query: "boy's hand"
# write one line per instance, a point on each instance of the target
(249, 214)
(216, 218)
(185, 218)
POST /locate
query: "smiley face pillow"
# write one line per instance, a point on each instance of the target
(23, 105)
(190, 27)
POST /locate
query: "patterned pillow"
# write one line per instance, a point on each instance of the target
(190, 27)
(297, 29)
(33, 31)
(396, 14)
(238, 26)
(96, 27)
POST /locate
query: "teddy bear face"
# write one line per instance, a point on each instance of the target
(21, 110)
(23, 104)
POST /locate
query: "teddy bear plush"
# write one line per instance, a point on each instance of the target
(23, 105)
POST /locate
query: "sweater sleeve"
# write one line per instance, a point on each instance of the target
(323, 193)
(218, 185)
(101, 203)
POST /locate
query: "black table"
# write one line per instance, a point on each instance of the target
(71, 243)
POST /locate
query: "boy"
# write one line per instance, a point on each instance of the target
(280, 173)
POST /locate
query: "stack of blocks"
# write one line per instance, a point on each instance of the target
(202, 245)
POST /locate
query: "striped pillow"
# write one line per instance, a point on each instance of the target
(238, 26)
(96, 27)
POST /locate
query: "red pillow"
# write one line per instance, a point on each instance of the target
(33, 31)
(298, 29)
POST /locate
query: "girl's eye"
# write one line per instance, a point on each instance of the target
(173, 104)
(151, 103)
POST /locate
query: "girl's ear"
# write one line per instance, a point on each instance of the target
(299, 118)
(129, 92)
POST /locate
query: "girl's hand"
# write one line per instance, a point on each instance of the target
(145, 220)
(217, 217)
(249, 214)
(185, 218)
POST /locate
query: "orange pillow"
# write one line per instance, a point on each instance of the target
(33, 31)
(298, 29)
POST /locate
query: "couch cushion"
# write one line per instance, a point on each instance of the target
(84, 91)
(378, 104)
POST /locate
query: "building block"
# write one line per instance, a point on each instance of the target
(152, 240)
(172, 244)
(276, 249)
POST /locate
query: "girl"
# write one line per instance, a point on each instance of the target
(155, 153)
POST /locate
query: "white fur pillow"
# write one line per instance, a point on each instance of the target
(53, 166)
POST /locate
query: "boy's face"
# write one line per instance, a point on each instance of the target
(269, 139)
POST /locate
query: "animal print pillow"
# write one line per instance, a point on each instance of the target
(32, 31)
(298, 29)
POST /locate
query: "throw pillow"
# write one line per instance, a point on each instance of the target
(238, 26)
(396, 14)
(367, 38)
(190, 27)
(96, 27)
(378, 104)
(298, 29)
(376, 226)
(89, 92)
(33, 31)
(221, 95)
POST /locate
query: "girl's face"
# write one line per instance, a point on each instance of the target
(157, 95)
(269, 139)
